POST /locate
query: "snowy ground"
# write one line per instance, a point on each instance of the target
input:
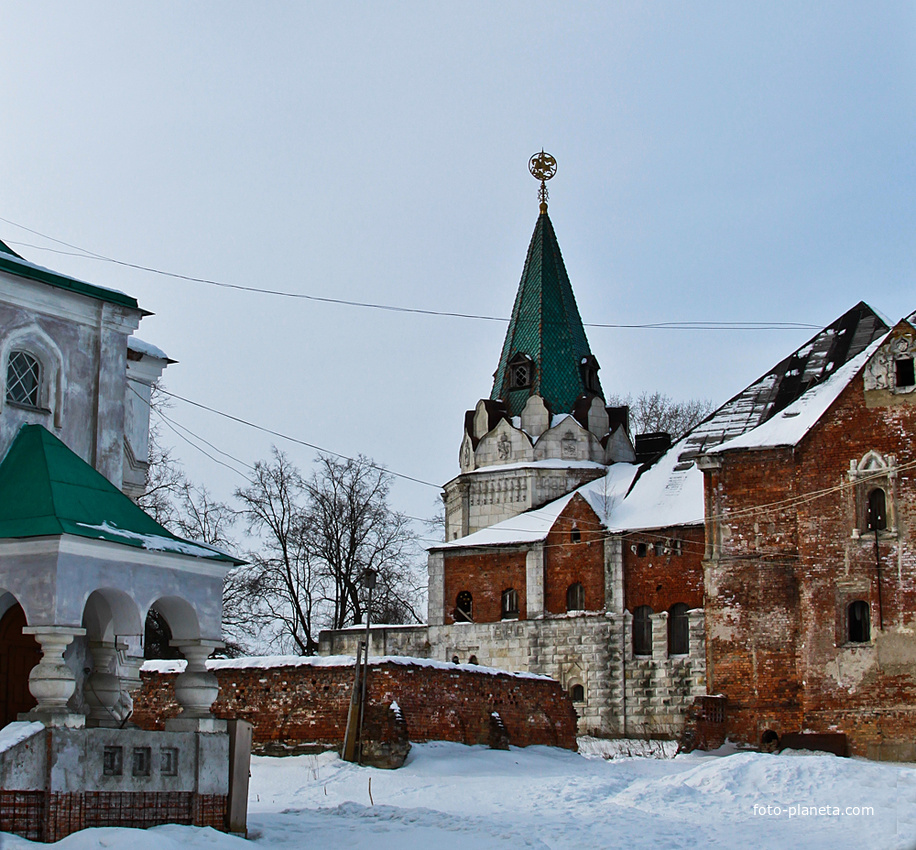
(452, 796)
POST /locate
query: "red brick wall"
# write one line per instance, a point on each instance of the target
(308, 704)
(659, 579)
(486, 574)
(567, 562)
(776, 619)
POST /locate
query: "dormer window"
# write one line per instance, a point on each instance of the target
(23, 379)
(521, 372)
(905, 373)
(589, 367)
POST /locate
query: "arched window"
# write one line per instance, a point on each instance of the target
(464, 608)
(577, 693)
(678, 630)
(575, 535)
(575, 597)
(877, 510)
(510, 604)
(858, 627)
(23, 379)
(642, 630)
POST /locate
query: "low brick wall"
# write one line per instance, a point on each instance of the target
(294, 703)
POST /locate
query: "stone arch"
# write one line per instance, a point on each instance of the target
(110, 613)
(19, 653)
(34, 341)
(179, 616)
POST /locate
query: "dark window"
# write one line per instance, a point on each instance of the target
(640, 550)
(678, 630)
(464, 608)
(23, 379)
(113, 761)
(577, 692)
(168, 761)
(906, 374)
(877, 510)
(509, 604)
(858, 626)
(575, 597)
(472, 659)
(642, 630)
(519, 375)
(143, 758)
(575, 535)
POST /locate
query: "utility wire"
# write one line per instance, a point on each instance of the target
(691, 325)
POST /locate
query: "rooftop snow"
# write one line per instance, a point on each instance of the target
(147, 348)
(16, 732)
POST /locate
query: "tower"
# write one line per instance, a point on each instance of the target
(545, 429)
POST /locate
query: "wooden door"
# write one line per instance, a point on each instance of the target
(19, 653)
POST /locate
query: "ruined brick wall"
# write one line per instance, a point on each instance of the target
(568, 561)
(485, 574)
(307, 703)
(780, 582)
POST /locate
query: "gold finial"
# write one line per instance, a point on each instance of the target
(542, 167)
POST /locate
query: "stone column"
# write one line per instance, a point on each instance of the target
(534, 581)
(196, 689)
(108, 687)
(51, 680)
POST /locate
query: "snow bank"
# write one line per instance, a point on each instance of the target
(17, 732)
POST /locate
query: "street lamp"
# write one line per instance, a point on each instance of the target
(368, 578)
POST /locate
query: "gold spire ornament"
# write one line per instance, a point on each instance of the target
(542, 167)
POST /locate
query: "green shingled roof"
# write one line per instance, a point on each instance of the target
(545, 326)
(12, 263)
(47, 490)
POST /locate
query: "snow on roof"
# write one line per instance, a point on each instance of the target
(788, 428)
(157, 543)
(147, 348)
(268, 662)
(549, 463)
(16, 732)
(668, 493)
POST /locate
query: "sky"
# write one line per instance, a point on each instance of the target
(724, 162)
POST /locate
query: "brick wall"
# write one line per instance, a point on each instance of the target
(567, 561)
(290, 706)
(779, 583)
(485, 574)
(664, 567)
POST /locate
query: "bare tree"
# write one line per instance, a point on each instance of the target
(165, 478)
(652, 412)
(318, 537)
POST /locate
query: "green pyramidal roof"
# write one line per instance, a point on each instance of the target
(47, 490)
(546, 327)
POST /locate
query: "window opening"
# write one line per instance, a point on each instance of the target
(642, 630)
(678, 630)
(112, 761)
(23, 379)
(906, 373)
(464, 608)
(858, 628)
(577, 693)
(640, 550)
(509, 604)
(575, 535)
(877, 510)
(143, 758)
(168, 761)
(575, 597)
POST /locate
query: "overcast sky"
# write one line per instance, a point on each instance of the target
(717, 161)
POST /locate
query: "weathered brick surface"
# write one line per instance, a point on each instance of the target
(485, 574)
(567, 561)
(780, 580)
(290, 706)
(661, 577)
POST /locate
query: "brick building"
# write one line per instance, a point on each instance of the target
(642, 575)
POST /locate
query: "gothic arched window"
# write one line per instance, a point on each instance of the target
(642, 630)
(464, 607)
(858, 627)
(678, 630)
(23, 379)
(577, 693)
(575, 597)
(877, 510)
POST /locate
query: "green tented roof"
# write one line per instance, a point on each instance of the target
(545, 326)
(47, 490)
(12, 263)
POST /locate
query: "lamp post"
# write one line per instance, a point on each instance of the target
(369, 578)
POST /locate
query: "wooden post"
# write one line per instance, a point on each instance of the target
(349, 745)
(240, 732)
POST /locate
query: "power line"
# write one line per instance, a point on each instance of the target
(689, 325)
